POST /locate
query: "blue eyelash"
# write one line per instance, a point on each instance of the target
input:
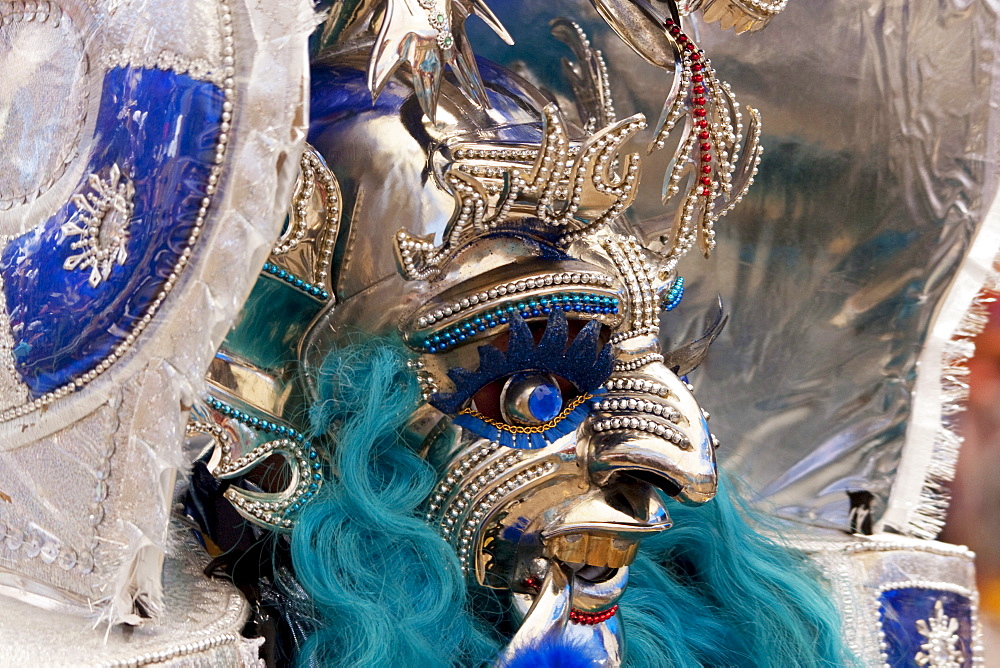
(582, 363)
(508, 435)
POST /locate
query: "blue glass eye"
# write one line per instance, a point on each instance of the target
(531, 398)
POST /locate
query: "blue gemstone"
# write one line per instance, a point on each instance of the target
(545, 402)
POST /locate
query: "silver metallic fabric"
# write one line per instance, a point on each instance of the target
(147, 149)
(903, 601)
(200, 626)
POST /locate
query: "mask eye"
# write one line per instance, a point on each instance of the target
(531, 399)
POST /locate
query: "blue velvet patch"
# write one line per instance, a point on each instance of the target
(901, 609)
(161, 129)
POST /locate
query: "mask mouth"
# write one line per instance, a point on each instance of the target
(592, 552)
(604, 529)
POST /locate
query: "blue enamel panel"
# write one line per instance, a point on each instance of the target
(902, 608)
(161, 129)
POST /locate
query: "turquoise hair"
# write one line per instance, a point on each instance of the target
(712, 591)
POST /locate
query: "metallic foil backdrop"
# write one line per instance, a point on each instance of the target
(880, 147)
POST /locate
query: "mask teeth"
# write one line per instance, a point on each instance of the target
(593, 549)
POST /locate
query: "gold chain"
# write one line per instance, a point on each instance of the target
(529, 429)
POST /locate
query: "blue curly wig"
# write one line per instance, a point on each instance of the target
(712, 591)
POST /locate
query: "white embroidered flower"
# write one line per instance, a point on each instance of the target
(942, 649)
(102, 223)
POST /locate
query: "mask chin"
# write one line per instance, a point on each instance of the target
(572, 605)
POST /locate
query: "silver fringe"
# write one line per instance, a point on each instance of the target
(928, 518)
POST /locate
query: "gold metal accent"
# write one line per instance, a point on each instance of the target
(592, 549)
(239, 379)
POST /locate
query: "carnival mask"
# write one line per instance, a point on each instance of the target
(492, 240)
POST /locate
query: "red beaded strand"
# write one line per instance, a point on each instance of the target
(592, 618)
(577, 616)
(698, 101)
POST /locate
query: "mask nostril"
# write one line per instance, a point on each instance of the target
(661, 483)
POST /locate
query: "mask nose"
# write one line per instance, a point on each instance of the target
(649, 426)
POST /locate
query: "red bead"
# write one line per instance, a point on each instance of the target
(706, 169)
(675, 31)
(696, 67)
(689, 46)
(706, 146)
(669, 22)
(706, 192)
(703, 135)
(707, 157)
(702, 123)
(700, 101)
(695, 56)
(706, 180)
(698, 90)
(700, 112)
(698, 77)
(682, 39)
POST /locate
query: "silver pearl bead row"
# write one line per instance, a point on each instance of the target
(331, 217)
(642, 424)
(639, 362)
(469, 491)
(456, 473)
(636, 271)
(176, 651)
(640, 405)
(272, 513)
(300, 208)
(512, 155)
(494, 294)
(637, 385)
(604, 147)
(484, 507)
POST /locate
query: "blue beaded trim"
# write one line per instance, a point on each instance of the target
(580, 302)
(282, 431)
(674, 296)
(290, 278)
